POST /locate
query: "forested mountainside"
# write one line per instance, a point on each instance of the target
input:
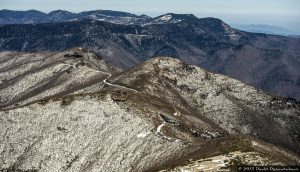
(268, 62)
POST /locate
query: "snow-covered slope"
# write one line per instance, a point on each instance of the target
(152, 117)
(28, 77)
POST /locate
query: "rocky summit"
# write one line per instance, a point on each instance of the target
(71, 111)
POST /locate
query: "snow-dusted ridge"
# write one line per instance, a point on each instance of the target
(70, 111)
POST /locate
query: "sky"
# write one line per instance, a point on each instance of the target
(284, 13)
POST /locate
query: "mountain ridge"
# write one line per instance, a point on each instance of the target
(141, 19)
(28, 17)
(168, 111)
(268, 62)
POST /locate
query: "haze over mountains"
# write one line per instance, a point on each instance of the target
(267, 62)
(70, 111)
(273, 30)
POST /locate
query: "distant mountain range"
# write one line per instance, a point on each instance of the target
(117, 17)
(34, 16)
(273, 30)
(268, 62)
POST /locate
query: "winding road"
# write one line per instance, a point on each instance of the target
(115, 85)
(159, 128)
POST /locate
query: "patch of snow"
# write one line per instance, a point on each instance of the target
(231, 33)
(176, 20)
(93, 16)
(70, 65)
(67, 35)
(143, 135)
(254, 143)
(106, 52)
(234, 37)
(166, 18)
(193, 131)
(158, 130)
(73, 19)
(176, 113)
(210, 135)
(127, 17)
(24, 45)
(162, 135)
(184, 170)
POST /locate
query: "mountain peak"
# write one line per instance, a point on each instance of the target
(145, 16)
(13, 12)
(171, 18)
(62, 12)
(163, 59)
(109, 13)
(182, 15)
(166, 17)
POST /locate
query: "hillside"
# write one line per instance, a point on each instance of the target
(162, 114)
